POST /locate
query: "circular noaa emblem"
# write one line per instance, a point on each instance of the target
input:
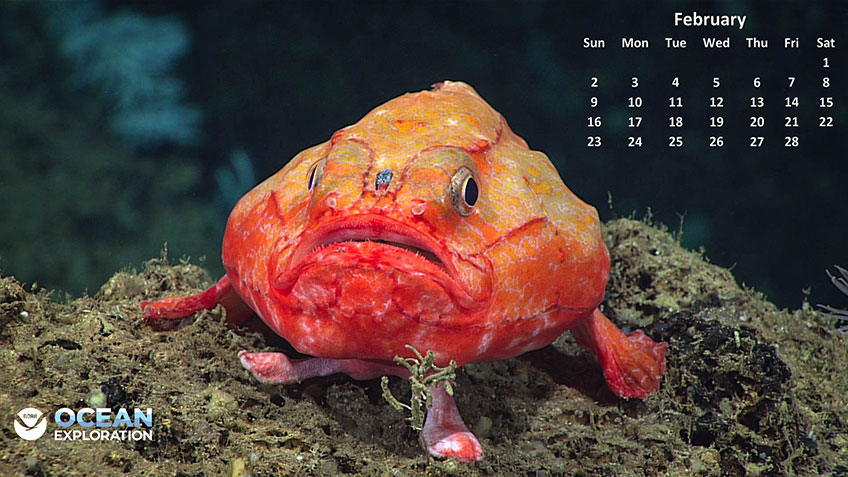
(30, 424)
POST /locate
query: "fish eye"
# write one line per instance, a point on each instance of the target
(470, 192)
(315, 172)
(464, 191)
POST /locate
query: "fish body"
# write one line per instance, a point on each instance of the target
(347, 269)
(427, 223)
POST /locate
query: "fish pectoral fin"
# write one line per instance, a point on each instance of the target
(174, 307)
(632, 363)
(277, 368)
(444, 434)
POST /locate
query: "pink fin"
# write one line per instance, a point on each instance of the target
(632, 363)
(444, 434)
(174, 307)
(277, 368)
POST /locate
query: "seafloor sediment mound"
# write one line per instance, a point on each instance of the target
(749, 389)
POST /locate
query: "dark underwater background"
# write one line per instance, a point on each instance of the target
(125, 125)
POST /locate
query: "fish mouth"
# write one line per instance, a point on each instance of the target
(401, 242)
(383, 241)
(378, 230)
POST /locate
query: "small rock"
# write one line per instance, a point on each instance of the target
(96, 398)
(220, 406)
(238, 467)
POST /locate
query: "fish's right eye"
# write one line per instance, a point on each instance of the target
(315, 172)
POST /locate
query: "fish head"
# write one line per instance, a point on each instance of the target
(427, 214)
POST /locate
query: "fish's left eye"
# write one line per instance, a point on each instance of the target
(313, 175)
(464, 191)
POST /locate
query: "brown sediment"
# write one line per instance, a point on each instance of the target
(749, 389)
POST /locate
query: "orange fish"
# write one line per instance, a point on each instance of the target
(428, 223)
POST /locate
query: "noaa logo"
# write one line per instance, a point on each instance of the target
(30, 424)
